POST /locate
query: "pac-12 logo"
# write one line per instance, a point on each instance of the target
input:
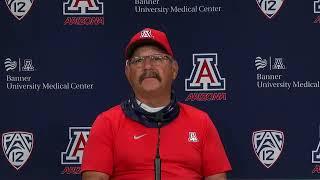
(270, 7)
(78, 137)
(19, 8)
(267, 145)
(83, 7)
(17, 147)
(205, 75)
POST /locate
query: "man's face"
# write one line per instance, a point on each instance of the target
(150, 76)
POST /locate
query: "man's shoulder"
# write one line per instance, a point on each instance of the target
(185, 108)
(111, 117)
(112, 111)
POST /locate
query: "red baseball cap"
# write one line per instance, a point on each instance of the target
(148, 36)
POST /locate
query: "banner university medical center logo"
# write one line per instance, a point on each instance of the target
(267, 145)
(78, 136)
(20, 64)
(270, 7)
(17, 147)
(19, 8)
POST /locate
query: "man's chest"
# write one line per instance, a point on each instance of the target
(135, 147)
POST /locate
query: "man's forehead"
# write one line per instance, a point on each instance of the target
(146, 50)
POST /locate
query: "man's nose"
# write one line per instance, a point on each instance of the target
(147, 63)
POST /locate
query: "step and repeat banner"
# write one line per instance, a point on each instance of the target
(252, 65)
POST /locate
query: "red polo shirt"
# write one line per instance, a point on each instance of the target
(190, 147)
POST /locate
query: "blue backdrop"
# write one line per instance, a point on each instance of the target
(63, 64)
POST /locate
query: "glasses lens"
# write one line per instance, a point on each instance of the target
(154, 60)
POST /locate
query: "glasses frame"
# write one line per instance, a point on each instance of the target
(152, 58)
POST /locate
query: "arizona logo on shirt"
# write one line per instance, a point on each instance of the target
(78, 137)
(205, 77)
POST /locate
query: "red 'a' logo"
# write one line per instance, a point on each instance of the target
(83, 7)
(205, 75)
(78, 137)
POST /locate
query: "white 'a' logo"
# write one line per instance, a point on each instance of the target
(205, 75)
(193, 137)
(83, 7)
(268, 145)
(146, 34)
(78, 137)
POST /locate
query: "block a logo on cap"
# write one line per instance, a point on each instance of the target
(83, 7)
(78, 137)
(268, 145)
(146, 33)
(205, 75)
(19, 8)
(17, 147)
(270, 7)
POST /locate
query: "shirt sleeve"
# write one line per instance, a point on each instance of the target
(98, 152)
(214, 157)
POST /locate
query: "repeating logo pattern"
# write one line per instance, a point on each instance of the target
(205, 75)
(78, 136)
(270, 7)
(19, 8)
(17, 147)
(268, 145)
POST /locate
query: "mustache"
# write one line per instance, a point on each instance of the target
(149, 74)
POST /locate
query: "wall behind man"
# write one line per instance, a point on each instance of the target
(63, 64)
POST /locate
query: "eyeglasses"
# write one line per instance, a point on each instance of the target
(156, 60)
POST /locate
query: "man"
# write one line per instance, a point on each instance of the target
(151, 136)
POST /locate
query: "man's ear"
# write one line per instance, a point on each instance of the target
(127, 70)
(175, 69)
